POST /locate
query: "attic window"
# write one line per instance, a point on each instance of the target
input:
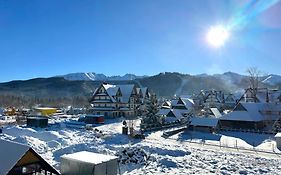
(101, 90)
(180, 102)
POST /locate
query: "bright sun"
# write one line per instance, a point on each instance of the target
(217, 36)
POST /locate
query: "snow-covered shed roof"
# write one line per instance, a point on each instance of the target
(89, 157)
(45, 108)
(209, 122)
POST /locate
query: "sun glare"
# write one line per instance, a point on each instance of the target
(217, 36)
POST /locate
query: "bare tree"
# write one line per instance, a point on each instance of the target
(254, 79)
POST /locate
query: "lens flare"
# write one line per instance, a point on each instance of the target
(217, 36)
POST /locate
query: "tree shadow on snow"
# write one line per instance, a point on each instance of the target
(192, 135)
(164, 152)
(120, 139)
(252, 139)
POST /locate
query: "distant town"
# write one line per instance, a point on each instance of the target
(127, 129)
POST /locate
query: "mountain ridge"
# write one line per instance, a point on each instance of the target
(271, 79)
(92, 76)
(165, 84)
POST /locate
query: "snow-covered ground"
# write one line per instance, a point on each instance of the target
(174, 155)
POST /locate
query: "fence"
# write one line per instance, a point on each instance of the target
(154, 127)
(232, 145)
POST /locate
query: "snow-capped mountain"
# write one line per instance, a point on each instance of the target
(272, 79)
(84, 76)
(91, 76)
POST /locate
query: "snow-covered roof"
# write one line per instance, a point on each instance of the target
(188, 102)
(178, 113)
(163, 111)
(106, 86)
(174, 102)
(278, 134)
(242, 116)
(45, 108)
(89, 157)
(216, 112)
(144, 91)
(138, 91)
(210, 122)
(126, 91)
(11, 153)
(166, 104)
(254, 112)
(112, 91)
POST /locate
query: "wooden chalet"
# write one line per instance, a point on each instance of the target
(19, 159)
(114, 101)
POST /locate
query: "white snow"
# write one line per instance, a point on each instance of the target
(89, 157)
(183, 153)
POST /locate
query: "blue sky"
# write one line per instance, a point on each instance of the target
(46, 38)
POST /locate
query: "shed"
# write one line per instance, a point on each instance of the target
(46, 111)
(88, 163)
(251, 116)
(204, 124)
(92, 119)
(278, 140)
(19, 159)
(37, 121)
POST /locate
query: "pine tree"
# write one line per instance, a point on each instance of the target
(151, 117)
